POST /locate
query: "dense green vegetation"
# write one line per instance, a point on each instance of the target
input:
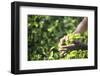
(44, 33)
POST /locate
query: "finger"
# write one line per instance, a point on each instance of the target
(63, 38)
(69, 47)
(61, 42)
(64, 46)
(62, 49)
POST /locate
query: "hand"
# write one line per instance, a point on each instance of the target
(61, 43)
(75, 46)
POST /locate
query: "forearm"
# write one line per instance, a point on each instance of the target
(82, 27)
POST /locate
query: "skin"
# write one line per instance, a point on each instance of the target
(82, 27)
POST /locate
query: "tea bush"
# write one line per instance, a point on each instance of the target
(44, 33)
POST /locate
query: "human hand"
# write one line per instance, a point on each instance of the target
(61, 43)
(76, 44)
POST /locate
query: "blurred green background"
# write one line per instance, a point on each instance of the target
(44, 33)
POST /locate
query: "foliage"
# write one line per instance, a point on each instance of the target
(44, 33)
(79, 38)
